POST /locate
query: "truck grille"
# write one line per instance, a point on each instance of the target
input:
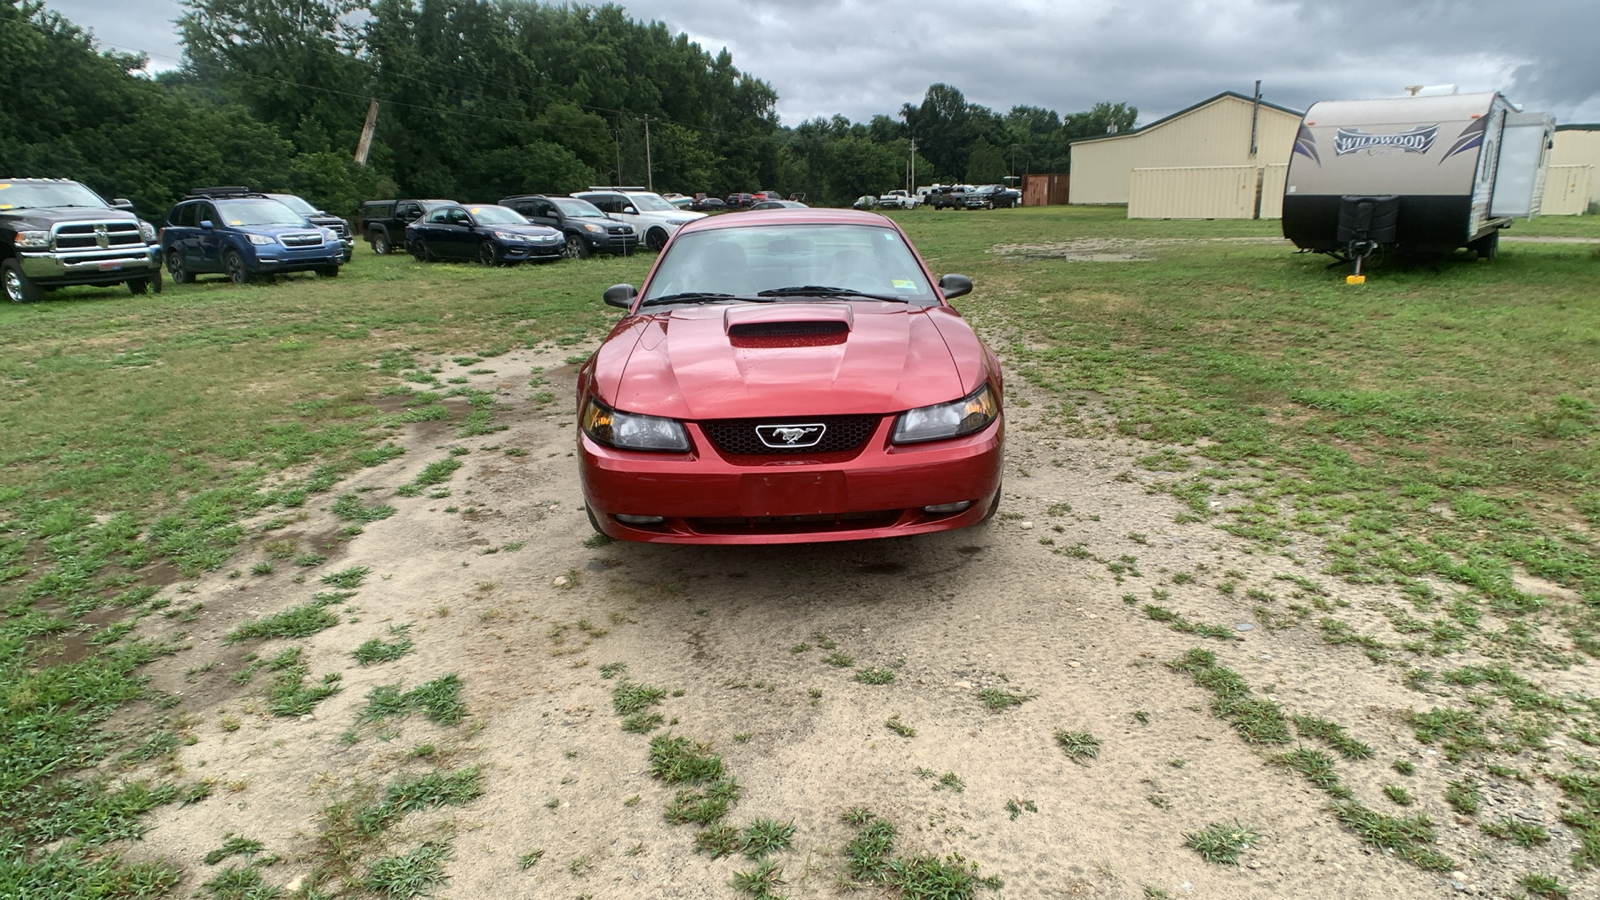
(301, 240)
(97, 235)
(737, 437)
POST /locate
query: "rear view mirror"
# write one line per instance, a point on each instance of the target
(620, 296)
(953, 286)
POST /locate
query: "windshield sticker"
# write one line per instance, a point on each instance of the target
(905, 284)
(476, 210)
(237, 222)
(5, 206)
(4, 186)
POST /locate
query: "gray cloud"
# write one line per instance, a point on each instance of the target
(860, 58)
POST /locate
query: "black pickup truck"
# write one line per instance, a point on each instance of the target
(383, 222)
(55, 233)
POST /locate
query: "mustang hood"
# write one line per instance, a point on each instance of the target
(721, 362)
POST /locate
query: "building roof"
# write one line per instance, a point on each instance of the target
(1185, 111)
(1579, 127)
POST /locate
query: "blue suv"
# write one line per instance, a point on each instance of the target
(240, 234)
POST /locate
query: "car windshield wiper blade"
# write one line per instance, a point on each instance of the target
(702, 297)
(819, 290)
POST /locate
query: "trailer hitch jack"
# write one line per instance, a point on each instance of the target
(1358, 251)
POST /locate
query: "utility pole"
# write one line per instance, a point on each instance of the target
(364, 146)
(618, 133)
(649, 167)
(911, 183)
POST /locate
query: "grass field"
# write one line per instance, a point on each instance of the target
(1437, 426)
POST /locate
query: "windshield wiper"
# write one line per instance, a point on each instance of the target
(700, 297)
(818, 290)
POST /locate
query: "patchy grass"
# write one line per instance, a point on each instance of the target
(1221, 842)
(377, 650)
(999, 699)
(439, 700)
(1080, 746)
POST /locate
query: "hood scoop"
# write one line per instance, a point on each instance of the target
(803, 322)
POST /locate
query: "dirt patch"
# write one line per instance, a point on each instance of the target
(761, 648)
(1114, 249)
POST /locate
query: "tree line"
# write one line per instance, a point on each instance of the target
(477, 99)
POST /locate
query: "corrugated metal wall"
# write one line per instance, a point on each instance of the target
(1216, 134)
(1567, 190)
(1193, 192)
(1579, 146)
(1273, 178)
(1207, 192)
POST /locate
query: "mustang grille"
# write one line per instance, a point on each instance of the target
(737, 437)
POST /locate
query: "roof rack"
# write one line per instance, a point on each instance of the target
(219, 193)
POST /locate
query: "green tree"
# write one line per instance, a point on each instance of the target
(291, 62)
(985, 164)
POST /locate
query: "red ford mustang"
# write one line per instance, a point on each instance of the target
(785, 377)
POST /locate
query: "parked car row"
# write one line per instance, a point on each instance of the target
(966, 196)
(603, 219)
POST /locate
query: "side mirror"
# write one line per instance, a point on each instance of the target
(122, 203)
(206, 224)
(630, 210)
(620, 295)
(953, 286)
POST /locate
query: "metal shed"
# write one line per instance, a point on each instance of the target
(1213, 134)
(1578, 145)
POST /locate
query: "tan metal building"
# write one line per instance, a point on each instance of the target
(1196, 148)
(1577, 145)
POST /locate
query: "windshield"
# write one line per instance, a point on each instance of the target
(258, 212)
(496, 215)
(578, 209)
(745, 261)
(297, 204)
(15, 195)
(650, 203)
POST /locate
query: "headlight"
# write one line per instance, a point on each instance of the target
(629, 431)
(597, 229)
(261, 240)
(33, 239)
(971, 413)
(509, 236)
(147, 231)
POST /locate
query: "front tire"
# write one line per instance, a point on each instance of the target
(576, 248)
(329, 271)
(380, 243)
(487, 255)
(175, 268)
(233, 265)
(420, 251)
(655, 239)
(18, 288)
(152, 283)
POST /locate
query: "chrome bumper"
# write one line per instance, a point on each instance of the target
(91, 265)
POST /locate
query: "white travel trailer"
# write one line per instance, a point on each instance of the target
(1424, 174)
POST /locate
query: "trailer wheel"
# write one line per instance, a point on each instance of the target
(1487, 247)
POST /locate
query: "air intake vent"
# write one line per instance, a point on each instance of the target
(786, 329)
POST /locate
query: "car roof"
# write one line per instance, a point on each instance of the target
(791, 216)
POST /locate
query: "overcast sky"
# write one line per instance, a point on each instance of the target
(860, 58)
